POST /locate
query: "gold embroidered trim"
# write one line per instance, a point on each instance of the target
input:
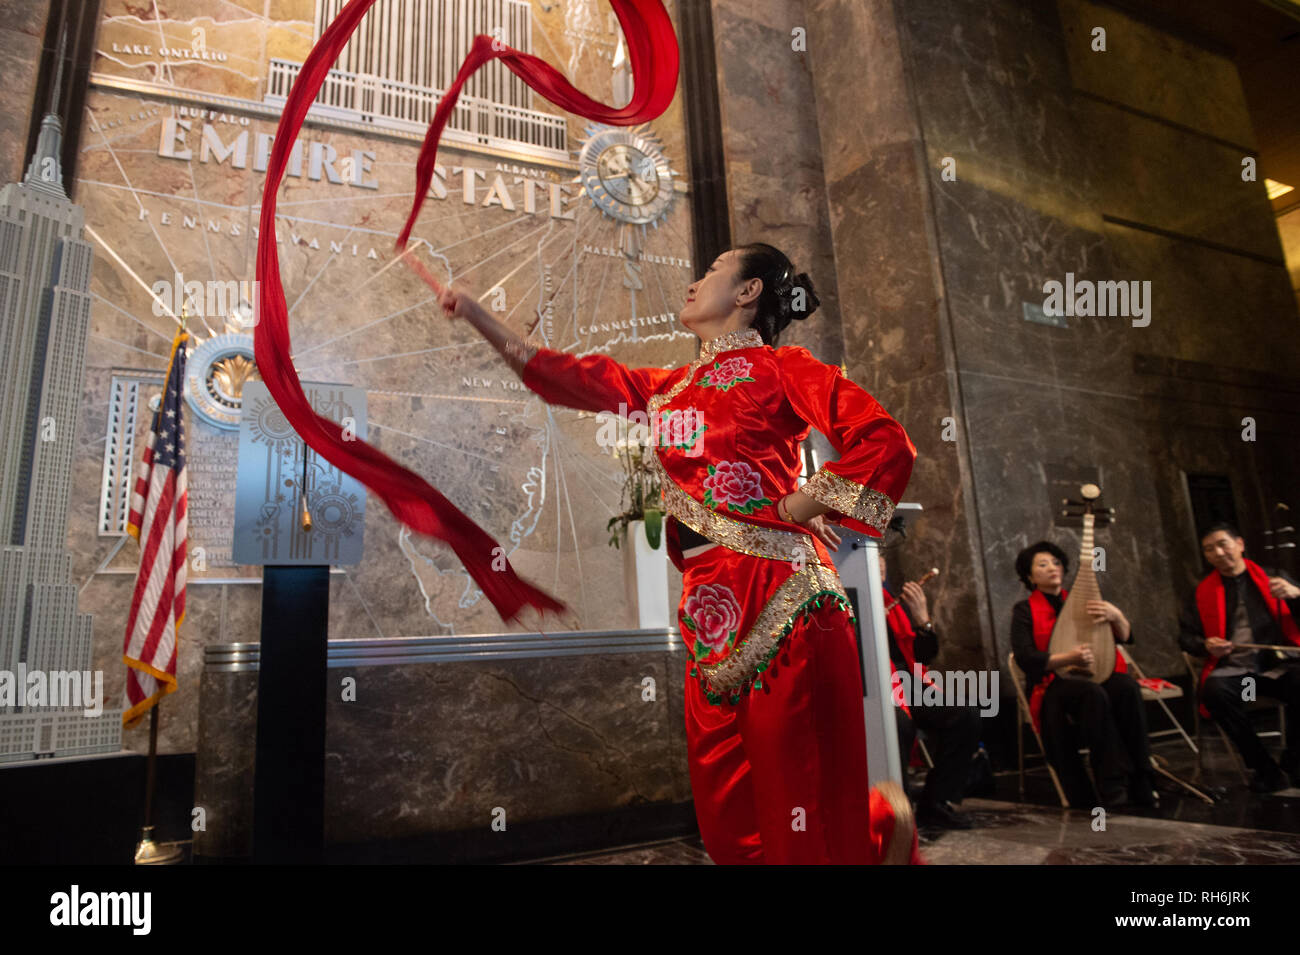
(850, 498)
(742, 664)
(741, 338)
(656, 400)
(737, 535)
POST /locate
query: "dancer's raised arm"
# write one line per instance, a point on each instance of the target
(590, 383)
(460, 304)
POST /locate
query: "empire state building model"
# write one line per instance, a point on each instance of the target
(44, 316)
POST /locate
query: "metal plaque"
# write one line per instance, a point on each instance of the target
(276, 467)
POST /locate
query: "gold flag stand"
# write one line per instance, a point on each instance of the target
(148, 852)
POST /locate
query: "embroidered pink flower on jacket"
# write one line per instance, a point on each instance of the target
(712, 613)
(735, 484)
(724, 374)
(681, 428)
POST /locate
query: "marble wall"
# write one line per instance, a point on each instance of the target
(773, 155)
(22, 32)
(1288, 227)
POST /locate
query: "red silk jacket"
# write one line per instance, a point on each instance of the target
(730, 424)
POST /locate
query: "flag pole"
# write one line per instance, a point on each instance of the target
(148, 852)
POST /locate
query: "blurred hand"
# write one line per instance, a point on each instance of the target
(914, 597)
(459, 304)
(1282, 590)
(1081, 659)
(819, 526)
(1218, 647)
(821, 529)
(1101, 610)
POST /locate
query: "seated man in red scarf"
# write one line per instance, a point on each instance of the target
(1238, 602)
(1109, 717)
(953, 730)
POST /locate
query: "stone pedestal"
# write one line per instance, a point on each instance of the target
(645, 575)
(445, 734)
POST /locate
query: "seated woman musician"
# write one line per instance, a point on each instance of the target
(1107, 717)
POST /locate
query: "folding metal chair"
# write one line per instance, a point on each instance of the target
(1160, 696)
(1194, 672)
(1170, 692)
(925, 753)
(1025, 716)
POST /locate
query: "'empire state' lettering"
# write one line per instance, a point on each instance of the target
(323, 162)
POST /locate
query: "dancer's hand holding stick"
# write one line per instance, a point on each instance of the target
(459, 304)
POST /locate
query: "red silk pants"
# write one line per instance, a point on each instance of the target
(781, 776)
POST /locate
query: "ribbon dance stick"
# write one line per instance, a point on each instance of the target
(652, 49)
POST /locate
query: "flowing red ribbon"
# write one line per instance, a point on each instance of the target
(652, 49)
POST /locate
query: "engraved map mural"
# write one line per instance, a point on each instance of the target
(575, 235)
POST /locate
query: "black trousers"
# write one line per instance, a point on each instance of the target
(1222, 697)
(955, 732)
(1110, 720)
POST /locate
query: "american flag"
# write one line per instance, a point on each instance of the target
(157, 522)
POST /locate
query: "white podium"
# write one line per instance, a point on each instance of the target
(859, 568)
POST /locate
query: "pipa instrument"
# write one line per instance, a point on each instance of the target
(1075, 627)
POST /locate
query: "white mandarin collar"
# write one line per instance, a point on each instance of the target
(740, 338)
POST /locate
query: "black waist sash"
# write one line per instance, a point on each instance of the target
(688, 538)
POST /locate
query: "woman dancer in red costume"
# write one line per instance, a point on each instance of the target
(774, 721)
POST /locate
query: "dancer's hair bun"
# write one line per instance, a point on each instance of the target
(788, 296)
(801, 299)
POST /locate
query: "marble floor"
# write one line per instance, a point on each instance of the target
(1239, 828)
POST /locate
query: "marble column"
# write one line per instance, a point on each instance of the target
(894, 314)
(772, 152)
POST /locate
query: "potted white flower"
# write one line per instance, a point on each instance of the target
(640, 527)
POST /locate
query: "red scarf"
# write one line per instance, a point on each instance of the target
(1044, 621)
(652, 49)
(1210, 604)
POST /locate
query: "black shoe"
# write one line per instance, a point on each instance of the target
(1113, 799)
(942, 816)
(1293, 773)
(1142, 792)
(1269, 780)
